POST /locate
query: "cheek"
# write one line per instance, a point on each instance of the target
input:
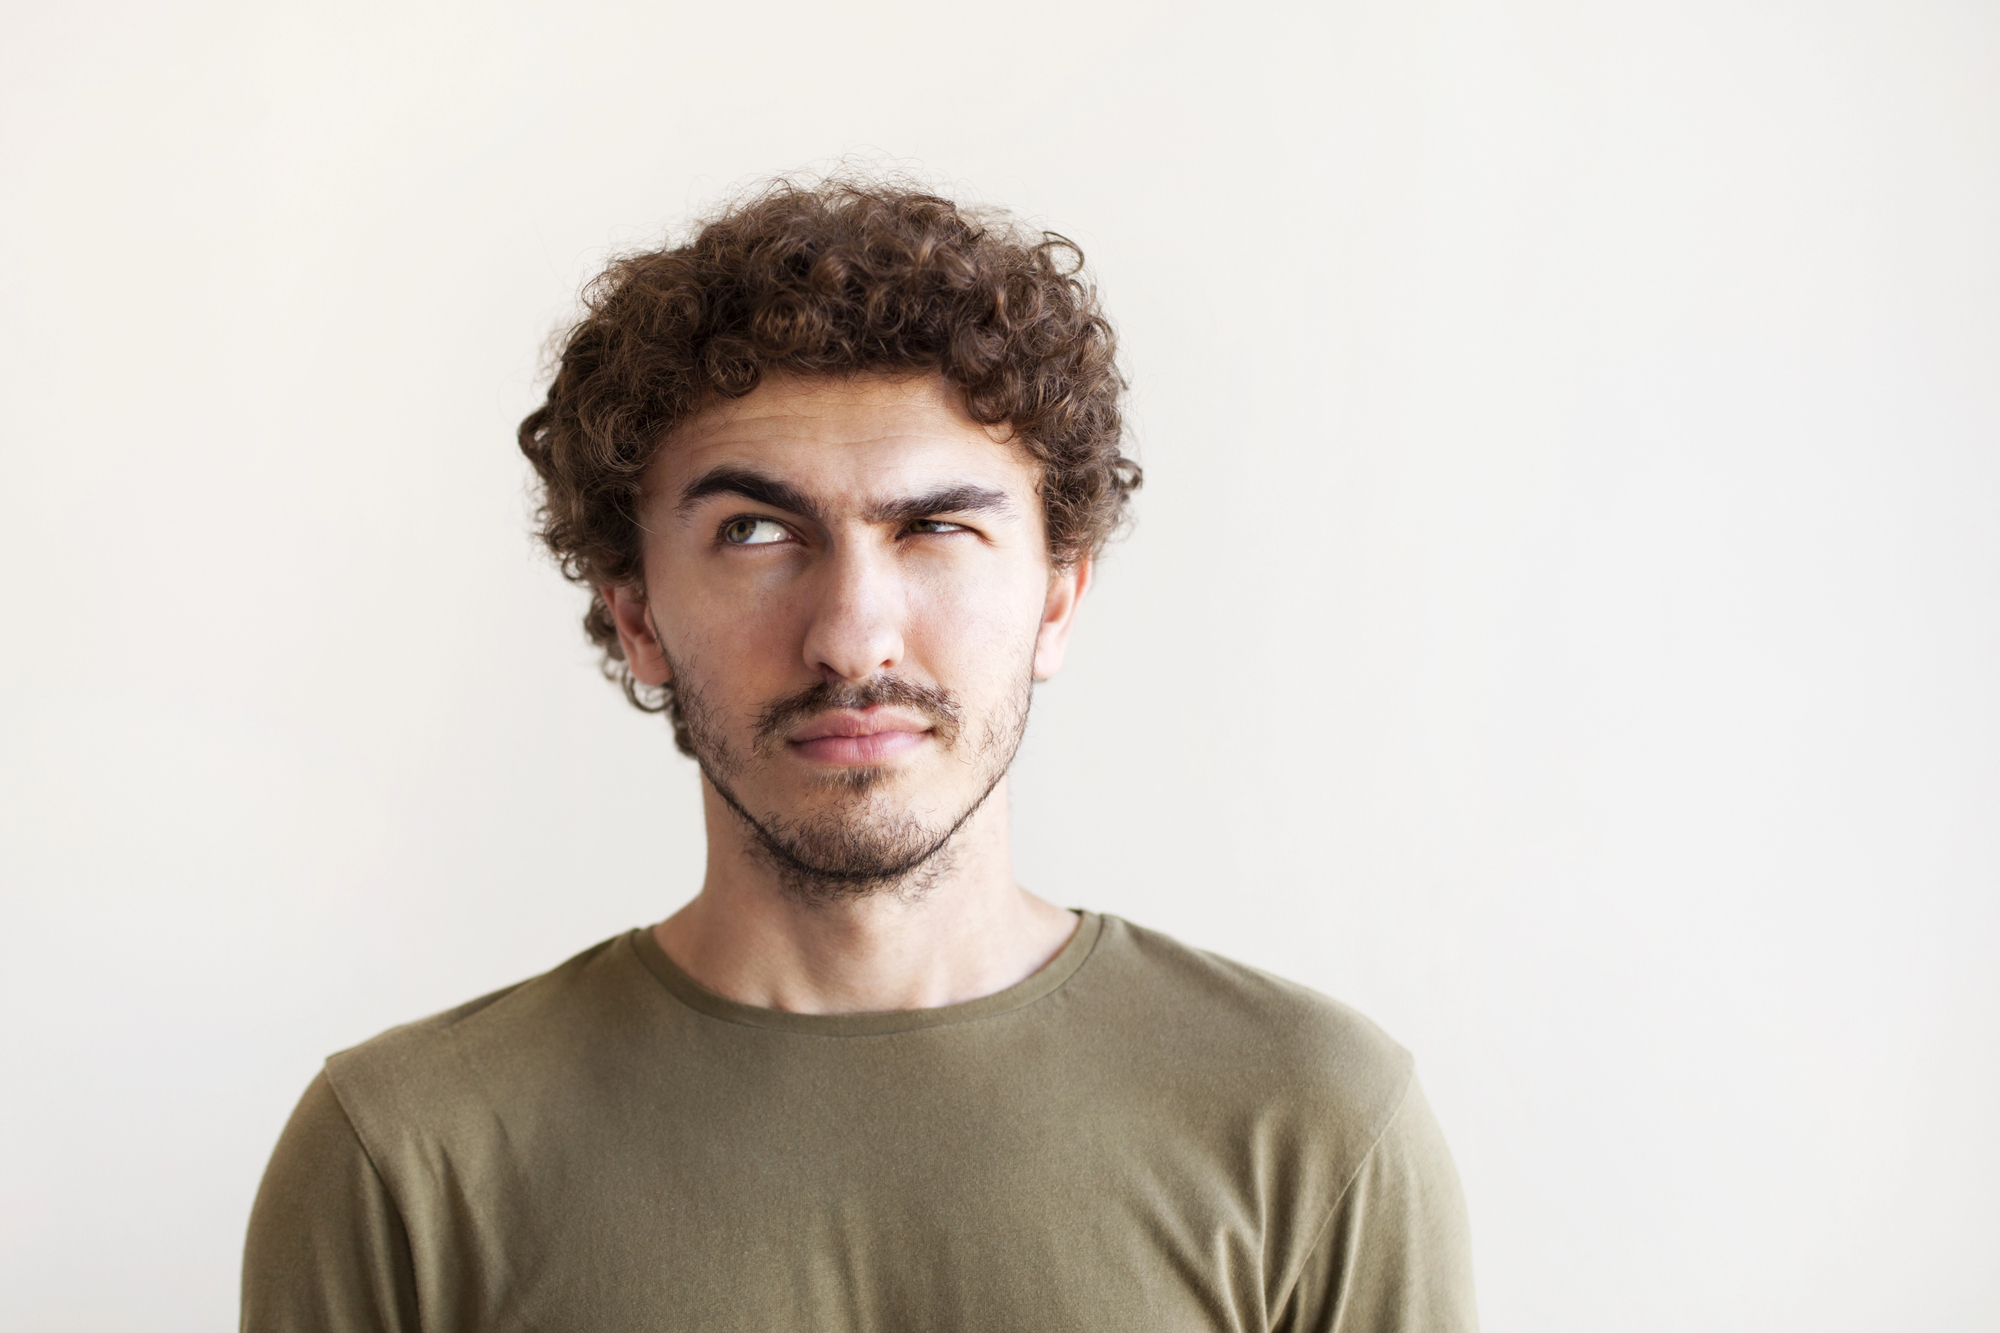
(736, 633)
(973, 628)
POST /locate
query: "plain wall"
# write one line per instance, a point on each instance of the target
(1563, 621)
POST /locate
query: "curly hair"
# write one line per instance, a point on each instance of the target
(830, 279)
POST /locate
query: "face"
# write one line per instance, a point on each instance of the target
(848, 584)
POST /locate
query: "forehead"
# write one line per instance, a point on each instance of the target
(846, 439)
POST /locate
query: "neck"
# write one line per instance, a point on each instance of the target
(970, 933)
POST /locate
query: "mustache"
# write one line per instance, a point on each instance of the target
(935, 705)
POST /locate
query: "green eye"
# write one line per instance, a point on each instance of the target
(752, 531)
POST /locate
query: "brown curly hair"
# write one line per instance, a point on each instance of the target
(830, 278)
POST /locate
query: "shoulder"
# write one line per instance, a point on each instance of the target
(1233, 1025)
(455, 1068)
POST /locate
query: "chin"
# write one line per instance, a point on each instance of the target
(862, 777)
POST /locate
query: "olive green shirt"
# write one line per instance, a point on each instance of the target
(1141, 1136)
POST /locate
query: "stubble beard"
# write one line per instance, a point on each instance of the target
(860, 846)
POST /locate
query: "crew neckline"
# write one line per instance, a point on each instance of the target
(1047, 979)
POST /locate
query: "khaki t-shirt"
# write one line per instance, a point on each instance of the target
(1140, 1136)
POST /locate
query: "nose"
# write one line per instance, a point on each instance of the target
(856, 630)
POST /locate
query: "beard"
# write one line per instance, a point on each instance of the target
(862, 842)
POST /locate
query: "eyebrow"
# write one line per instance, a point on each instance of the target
(960, 499)
(943, 500)
(751, 486)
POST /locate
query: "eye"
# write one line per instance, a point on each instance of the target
(748, 531)
(925, 525)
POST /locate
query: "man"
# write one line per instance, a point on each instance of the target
(835, 472)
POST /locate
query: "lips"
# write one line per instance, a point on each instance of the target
(858, 736)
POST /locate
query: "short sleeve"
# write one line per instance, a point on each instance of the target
(1395, 1256)
(327, 1252)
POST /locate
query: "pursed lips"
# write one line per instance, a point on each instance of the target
(858, 736)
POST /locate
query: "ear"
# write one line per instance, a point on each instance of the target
(1067, 585)
(643, 652)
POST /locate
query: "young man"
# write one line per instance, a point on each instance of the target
(835, 472)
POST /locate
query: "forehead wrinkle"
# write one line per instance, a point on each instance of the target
(740, 435)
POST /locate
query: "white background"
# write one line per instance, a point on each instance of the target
(1564, 619)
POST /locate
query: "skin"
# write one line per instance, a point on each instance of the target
(911, 546)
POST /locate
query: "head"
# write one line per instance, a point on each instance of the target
(835, 472)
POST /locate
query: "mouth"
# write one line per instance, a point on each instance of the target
(849, 737)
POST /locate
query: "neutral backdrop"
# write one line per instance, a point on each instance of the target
(1564, 618)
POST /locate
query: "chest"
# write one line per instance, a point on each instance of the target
(930, 1200)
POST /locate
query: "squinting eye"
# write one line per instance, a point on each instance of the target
(752, 531)
(935, 525)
